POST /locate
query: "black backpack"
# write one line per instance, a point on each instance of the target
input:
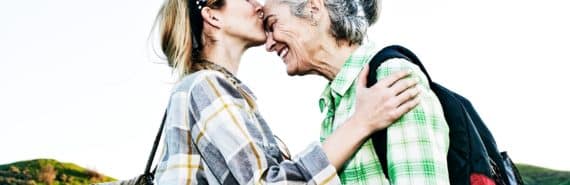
(472, 147)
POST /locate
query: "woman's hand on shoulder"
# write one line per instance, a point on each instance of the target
(386, 101)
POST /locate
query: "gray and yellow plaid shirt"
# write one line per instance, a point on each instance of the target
(417, 142)
(213, 136)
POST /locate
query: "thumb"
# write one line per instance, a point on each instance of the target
(363, 76)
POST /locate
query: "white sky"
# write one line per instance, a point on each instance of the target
(80, 84)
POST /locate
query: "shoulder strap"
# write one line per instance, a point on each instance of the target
(391, 52)
(380, 138)
(155, 145)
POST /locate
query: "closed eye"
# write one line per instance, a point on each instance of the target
(267, 25)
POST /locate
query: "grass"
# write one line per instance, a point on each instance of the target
(49, 172)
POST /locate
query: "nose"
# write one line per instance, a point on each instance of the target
(269, 43)
(259, 12)
(258, 8)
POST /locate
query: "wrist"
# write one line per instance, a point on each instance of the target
(360, 126)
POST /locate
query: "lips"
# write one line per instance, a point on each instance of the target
(283, 53)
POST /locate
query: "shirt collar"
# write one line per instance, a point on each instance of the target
(325, 99)
(352, 67)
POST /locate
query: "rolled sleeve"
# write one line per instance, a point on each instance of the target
(317, 165)
(419, 140)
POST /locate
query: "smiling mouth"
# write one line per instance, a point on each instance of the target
(283, 53)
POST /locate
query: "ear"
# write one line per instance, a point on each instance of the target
(314, 6)
(212, 17)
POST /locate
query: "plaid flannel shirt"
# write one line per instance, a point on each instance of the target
(417, 142)
(213, 136)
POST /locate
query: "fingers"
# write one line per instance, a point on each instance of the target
(406, 96)
(390, 80)
(362, 78)
(403, 85)
(406, 107)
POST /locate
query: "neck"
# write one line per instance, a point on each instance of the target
(331, 57)
(225, 53)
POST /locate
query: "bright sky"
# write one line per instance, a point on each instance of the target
(80, 84)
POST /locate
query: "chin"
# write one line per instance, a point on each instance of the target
(290, 71)
(258, 41)
(293, 71)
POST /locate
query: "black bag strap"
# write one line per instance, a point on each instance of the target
(391, 52)
(379, 138)
(155, 146)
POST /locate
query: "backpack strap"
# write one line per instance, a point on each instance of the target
(147, 171)
(391, 52)
(380, 138)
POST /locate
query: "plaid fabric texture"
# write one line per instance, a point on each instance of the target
(417, 142)
(213, 136)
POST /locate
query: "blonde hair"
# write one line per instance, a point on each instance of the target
(176, 38)
(176, 34)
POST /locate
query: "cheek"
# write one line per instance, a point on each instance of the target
(304, 65)
(298, 61)
(288, 37)
(240, 15)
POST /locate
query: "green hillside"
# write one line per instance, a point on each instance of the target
(533, 175)
(47, 172)
(52, 172)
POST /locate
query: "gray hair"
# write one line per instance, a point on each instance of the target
(350, 19)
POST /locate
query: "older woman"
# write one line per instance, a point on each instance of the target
(326, 38)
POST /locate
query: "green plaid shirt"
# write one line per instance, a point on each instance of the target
(417, 142)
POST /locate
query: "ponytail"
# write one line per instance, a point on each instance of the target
(177, 21)
(175, 35)
(371, 10)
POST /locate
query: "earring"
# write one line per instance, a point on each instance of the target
(313, 20)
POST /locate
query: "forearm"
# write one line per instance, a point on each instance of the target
(344, 141)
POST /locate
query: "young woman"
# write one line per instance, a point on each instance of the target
(215, 135)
